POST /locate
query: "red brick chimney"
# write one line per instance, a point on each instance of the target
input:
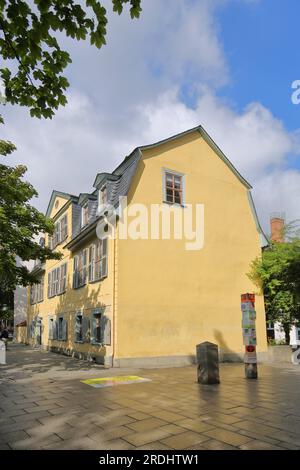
(277, 228)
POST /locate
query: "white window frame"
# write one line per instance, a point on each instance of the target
(165, 171)
(85, 214)
(98, 264)
(60, 321)
(60, 232)
(80, 268)
(77, 315)
(102, 192)
(96, 315)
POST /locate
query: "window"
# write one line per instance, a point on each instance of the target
(96, 327)
(100, 327)
(78, 328)
(98, 260)
(64, 227)
(103, 195)
(60, 232)
(37, 292)
(80, 269)
(52, 329)
(173, 188)
(298, 332)
(57, 281)
(84, 215)
(62, 285)
(61, 329)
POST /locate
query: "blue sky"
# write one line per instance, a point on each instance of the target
(261, 45)
(225, 64)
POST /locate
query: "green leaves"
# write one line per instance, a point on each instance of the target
(135, 8)
(28, 38)
(277, 273)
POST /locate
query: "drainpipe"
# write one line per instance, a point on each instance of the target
(114, 302)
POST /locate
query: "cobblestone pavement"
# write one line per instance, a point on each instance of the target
(43, 405)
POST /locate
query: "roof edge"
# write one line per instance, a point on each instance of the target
(54, 194)
(263, 238)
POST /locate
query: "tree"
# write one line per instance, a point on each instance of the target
(6, 306)
(277, 274)
(34, 60)
(32, 75)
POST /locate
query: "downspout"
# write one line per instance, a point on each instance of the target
(114, 301)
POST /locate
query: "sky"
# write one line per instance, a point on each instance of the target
(225, 64)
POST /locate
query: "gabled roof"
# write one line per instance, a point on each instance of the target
(126, 162)
(55, 194)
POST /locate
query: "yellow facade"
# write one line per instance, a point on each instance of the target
(85, 299)
(162, 300)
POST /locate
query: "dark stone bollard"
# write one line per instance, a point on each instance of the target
(251, 371)
(207, 358)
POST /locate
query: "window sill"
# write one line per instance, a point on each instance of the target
(60, 293)
(183, 206)
(78, 287)
(97, 280)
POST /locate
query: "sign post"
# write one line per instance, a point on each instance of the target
(249, 334)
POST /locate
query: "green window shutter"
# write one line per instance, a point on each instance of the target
(93, 329)
(50, 328)
(49, 284)
(105, 330)
(86, 334)
(63, 278)
(104, 257)
(91, 269)
(64, 335)
(54, 329)
(76, 327)
(64, 227)
(57, 281)
(84, 265)
(75, 272)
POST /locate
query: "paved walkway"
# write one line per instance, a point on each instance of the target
(43, 405)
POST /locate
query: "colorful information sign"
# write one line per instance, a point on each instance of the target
(248, 327)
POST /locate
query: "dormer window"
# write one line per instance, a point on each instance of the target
(103, 195)
(84, 215)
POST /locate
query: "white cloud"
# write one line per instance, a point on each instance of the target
(127, 94)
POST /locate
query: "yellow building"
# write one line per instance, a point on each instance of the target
(160, 286)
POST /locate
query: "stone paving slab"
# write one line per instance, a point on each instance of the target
(43, 405)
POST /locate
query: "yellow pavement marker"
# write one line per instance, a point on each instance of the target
(113, 381)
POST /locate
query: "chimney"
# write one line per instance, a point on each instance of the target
(277, 221)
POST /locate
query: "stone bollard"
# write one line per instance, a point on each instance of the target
(2, 352)
(207, 358)
(251, 371)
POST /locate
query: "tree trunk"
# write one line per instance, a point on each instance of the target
(287, 329)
